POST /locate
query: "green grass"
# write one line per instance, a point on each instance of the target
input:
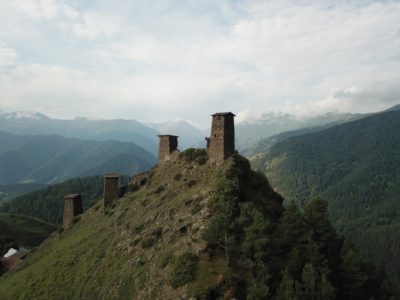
(102, 255)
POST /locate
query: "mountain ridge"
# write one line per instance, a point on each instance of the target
(33, 123)
(49, 159)
(355, 167)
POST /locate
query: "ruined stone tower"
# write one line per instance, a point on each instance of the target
(72, 208)
(168, 145)
(110, 188)
(222, 140)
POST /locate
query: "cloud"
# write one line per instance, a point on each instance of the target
(8, 55)
(93, 25)
(168, 59)
(37, 9)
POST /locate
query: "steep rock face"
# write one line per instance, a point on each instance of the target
(145, 245)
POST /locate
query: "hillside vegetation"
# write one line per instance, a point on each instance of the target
(197, 230)
(51, 159)
(356, 167)
(265, 145)
(10, 191)
(250, 132)
(22, 231)
(47, 204)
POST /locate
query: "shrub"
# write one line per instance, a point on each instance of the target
(159, 190)
(184, 270)
(157, 233)
(177, 177)
(198, 155)
(148, 241)
(196, 207)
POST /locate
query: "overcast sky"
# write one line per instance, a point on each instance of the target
(160, 60)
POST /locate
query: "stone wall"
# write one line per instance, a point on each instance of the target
(222, 139)
(168, 145)
(110, 188)
(72, 208)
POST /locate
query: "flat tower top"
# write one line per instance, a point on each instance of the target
(224, 114)
(160, 135)
(112, 175)
(71, 196)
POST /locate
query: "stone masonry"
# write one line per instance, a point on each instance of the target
(72, 208)
(222, 140)
(110, 188)
(168, 145)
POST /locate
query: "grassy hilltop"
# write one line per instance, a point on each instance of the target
(209, 231)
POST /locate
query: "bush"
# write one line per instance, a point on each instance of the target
(198, 155)
(184, 270)
(148, 241)
(178, 177)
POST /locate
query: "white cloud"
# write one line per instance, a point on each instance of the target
(167, 58)
(8, 55)
(93, 25)
(38, 9)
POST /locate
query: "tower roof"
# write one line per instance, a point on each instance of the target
(112, 175)
(161, 135)
(71, 196)
(224, 114)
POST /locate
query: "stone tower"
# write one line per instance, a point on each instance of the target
(222, 140)
(168, 145)
(72, 208)
(110, 188)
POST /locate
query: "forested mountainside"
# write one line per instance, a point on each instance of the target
(266, 144)
(203, 230)
(50, 159)
(250, 132)
(22, 231)
(356, 168)
(10, 191)
(47, 203)
(33, 123)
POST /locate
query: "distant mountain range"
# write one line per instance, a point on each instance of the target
(50, 159)
(189, 135)
(33, 123)
(266, 144)
(248, 133)
(356, 167)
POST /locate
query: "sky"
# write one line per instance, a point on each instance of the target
(185, 59)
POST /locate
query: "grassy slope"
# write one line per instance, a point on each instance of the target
(104, 255)
(23, 231)
(356, 167)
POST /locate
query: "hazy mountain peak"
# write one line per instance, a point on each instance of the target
(23, 115)
(394, 108)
